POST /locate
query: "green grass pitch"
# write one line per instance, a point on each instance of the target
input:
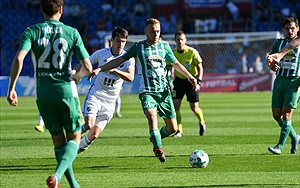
(240, 128)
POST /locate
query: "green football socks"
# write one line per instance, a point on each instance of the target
(156, 138)
(164, 132)
(292, 134)
(286, 128)
(69, 172)
(65, 156)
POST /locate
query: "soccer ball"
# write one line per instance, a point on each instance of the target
(199, 159)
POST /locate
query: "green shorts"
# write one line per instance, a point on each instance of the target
(60, 114)
(285, 92)
(162, 101)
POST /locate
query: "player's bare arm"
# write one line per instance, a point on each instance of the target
(112, 64)
(94, 73)
(180, 68)
(16, 68)
(82, 69)
(275, 58)
(127, 75)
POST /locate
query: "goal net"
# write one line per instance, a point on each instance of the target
(231, 61)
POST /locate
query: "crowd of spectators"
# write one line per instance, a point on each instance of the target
(95, 19)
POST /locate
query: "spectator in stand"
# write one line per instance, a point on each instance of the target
(233, 9)
(286, 11)
(139, 8)
(109, 26)
(212, 23)
(83, 21)
(263, 10)
(173, 22)
(148, 8)
(106, 8)
(74, 13)
(101, 23)
(101, 31)
(244, 63)
(164, 24)
(258, 65)
(94, 44)
(67, 11)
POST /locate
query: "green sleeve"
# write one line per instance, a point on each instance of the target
(79, 48)
(131, 52)
(274, 47)
(25, 43)
(170, 57)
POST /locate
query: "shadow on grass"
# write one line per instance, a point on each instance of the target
(233, 185)
(26, 167)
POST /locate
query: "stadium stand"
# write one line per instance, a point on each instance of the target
(16, 15)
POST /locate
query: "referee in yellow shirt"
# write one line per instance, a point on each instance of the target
(191, 60)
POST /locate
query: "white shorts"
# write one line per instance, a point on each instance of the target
(101, 109)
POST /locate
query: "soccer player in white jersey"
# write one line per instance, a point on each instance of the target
(154, 91)
(99, 104)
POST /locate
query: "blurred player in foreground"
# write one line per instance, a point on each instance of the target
(191, 60)
(285, 92)
(154, 91)
(99, 104)
(52, 44)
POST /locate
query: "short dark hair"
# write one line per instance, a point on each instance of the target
(119, 32)
(179, 33)
(289, 20)
(51, 7)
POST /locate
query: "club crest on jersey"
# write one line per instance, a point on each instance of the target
(290, 55)
(155, 60)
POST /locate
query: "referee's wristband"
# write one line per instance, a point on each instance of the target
(199, 81)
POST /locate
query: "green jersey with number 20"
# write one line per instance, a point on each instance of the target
(151, 64)
(52, 45)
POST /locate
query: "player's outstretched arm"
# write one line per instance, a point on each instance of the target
(83, 69)
(127, 75)
(275, 58)
(106, 67)
(112, 64)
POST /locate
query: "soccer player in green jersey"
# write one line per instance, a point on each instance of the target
(191, 60)
(285, 92)
(52, 44)
(154, 92)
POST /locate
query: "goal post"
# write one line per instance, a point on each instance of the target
(225, 69)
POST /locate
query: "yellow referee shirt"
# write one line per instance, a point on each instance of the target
(190, 59)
